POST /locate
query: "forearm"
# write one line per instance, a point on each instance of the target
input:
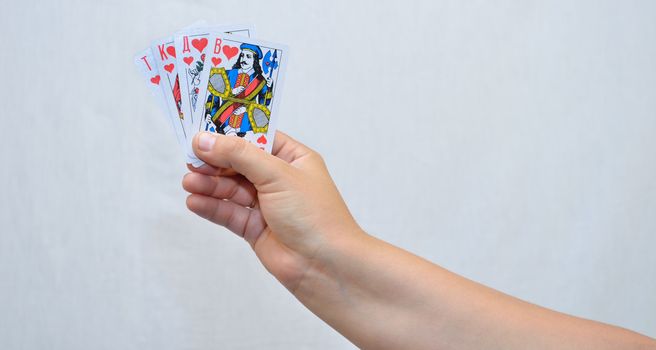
(375, 294)
(380, 296)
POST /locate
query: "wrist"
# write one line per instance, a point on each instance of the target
(329, 266)
(343, 287)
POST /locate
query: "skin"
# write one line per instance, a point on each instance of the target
(379, 296)
(247, 59)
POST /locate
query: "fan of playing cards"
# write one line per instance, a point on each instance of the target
(216, 79)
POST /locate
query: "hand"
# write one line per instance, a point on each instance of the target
(377, 295)
(269, 81)
(238, 90)
(285, 205)
(239, 111)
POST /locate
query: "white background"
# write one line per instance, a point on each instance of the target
(513, 142)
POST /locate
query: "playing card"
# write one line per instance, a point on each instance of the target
(192, 44)
(165, 57)
(146, 64)
(212, 81)
(243, 79)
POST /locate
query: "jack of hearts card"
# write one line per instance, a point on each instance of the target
(244, 83)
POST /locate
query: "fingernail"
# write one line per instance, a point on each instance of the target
(206, 141)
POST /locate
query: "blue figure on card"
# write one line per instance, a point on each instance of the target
(238, 98)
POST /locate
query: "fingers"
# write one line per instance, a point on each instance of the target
(234, 188)
(221, 151)
(245, 222)
(212, 171)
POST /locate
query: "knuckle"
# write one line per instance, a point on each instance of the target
(316, 157)
(240, 147)
(233, 146)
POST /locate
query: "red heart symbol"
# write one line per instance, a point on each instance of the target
(169, 67)
(155, 80)
(199, 44)
(230, 51)
(216, 61)
(171, 50)
(188, 60)
(262, 140)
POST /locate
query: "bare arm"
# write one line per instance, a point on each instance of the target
(381, 297)
(377, 295)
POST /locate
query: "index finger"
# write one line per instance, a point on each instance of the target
(207, 169)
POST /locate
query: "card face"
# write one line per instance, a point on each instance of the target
(192, 46)
(244, 79)
(190, 65)
(164, 54)
(145, 62)
(217, 79)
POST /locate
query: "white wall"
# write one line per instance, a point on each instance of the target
(510, 141)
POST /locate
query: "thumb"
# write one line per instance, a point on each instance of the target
(221, 151)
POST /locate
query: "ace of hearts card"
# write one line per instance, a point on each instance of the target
(244, 82)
